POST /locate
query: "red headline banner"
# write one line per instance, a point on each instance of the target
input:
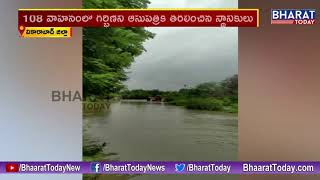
(138, 18)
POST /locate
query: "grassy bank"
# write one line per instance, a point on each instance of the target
(93, 151)
(203, 103)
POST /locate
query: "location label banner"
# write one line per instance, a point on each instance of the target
(161, 167)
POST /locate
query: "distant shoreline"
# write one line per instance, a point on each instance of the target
(199, 105)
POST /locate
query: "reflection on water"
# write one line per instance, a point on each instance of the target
(141, 131)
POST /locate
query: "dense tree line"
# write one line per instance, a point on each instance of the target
(108, 52)
(208, 96)
(226, 88)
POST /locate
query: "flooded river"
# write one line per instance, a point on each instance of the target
(142, 131)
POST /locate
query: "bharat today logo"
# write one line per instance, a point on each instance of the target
(293, 16)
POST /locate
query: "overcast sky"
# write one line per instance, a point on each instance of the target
(178, 56)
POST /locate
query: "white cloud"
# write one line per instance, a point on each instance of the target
(178, 56)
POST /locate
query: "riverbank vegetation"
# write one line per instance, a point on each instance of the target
(92, 151)
(215, 96)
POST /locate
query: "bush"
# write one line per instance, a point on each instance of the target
(169, 98)
(227, 101)
(233, 108)
(178, 101)
(205, 104)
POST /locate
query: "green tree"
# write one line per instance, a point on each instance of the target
(209, 89)
(230, 86)
(108, 52)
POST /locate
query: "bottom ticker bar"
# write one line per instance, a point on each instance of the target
(160, 167)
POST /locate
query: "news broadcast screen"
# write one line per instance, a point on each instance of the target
(159, 89)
